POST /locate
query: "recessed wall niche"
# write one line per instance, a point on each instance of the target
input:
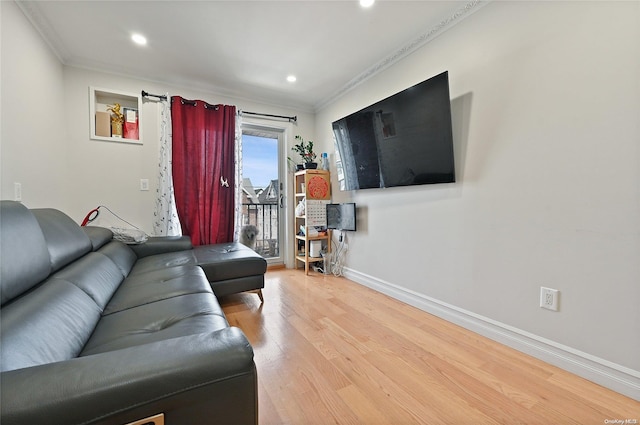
(103, 110)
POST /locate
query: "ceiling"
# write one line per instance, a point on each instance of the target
(244, 49)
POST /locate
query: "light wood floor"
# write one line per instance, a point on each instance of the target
(329, 351)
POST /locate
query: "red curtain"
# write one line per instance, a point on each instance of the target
(203, 169)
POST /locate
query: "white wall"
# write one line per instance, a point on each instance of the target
(546, 103)
(34, 134)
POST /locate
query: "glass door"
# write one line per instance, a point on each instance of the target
(262, 194)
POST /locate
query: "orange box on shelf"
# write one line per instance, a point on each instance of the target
(103, 124)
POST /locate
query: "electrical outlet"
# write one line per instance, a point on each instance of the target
(17, 191)
(549, 298)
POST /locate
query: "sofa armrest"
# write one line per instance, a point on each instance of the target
(162, 244)
(187, 378)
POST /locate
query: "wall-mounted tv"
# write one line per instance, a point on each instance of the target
(341, 216)
(405, 139)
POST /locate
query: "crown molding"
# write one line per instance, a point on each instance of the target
(32, 12)
(405, 50)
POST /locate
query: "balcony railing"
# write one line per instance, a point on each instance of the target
(266, 218)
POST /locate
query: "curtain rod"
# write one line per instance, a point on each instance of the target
(145, 94)
(192, 102)
(294, 118)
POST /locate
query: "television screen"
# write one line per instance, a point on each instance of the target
(341, 216)
(405, 139)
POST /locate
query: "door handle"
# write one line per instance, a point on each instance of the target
(281, 201)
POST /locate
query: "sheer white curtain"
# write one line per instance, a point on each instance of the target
(238, 178)
(166, 222)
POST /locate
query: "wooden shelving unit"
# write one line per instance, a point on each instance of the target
(314, 188)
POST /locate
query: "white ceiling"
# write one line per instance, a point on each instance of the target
(244, 49)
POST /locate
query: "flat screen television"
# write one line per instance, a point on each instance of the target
(341, 216)
(405, 139)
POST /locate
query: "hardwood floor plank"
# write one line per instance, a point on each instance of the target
(422, 385)
(329, 351)
(361, 404)
(605, 401)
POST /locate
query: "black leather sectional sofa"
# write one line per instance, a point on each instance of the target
(95, 332)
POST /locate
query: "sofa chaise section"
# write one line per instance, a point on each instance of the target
(229, 267)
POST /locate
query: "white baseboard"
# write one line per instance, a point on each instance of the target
(603, 372)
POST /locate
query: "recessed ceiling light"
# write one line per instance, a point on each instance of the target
(139, 39)
(366, 3)
(291, 78)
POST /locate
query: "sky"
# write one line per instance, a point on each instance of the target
(259, 159)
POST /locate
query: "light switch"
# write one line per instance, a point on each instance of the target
(144, 184)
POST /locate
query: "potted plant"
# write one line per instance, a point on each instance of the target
(305, 150)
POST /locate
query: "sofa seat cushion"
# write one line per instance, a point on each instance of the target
(164, 261)
(144, 288)
(165, 319)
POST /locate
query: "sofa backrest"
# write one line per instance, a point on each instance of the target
(54, 285)
(120, 254)
(65, 239)
(24, 256)
(95, 274)
(99, 236)
(49, 324)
